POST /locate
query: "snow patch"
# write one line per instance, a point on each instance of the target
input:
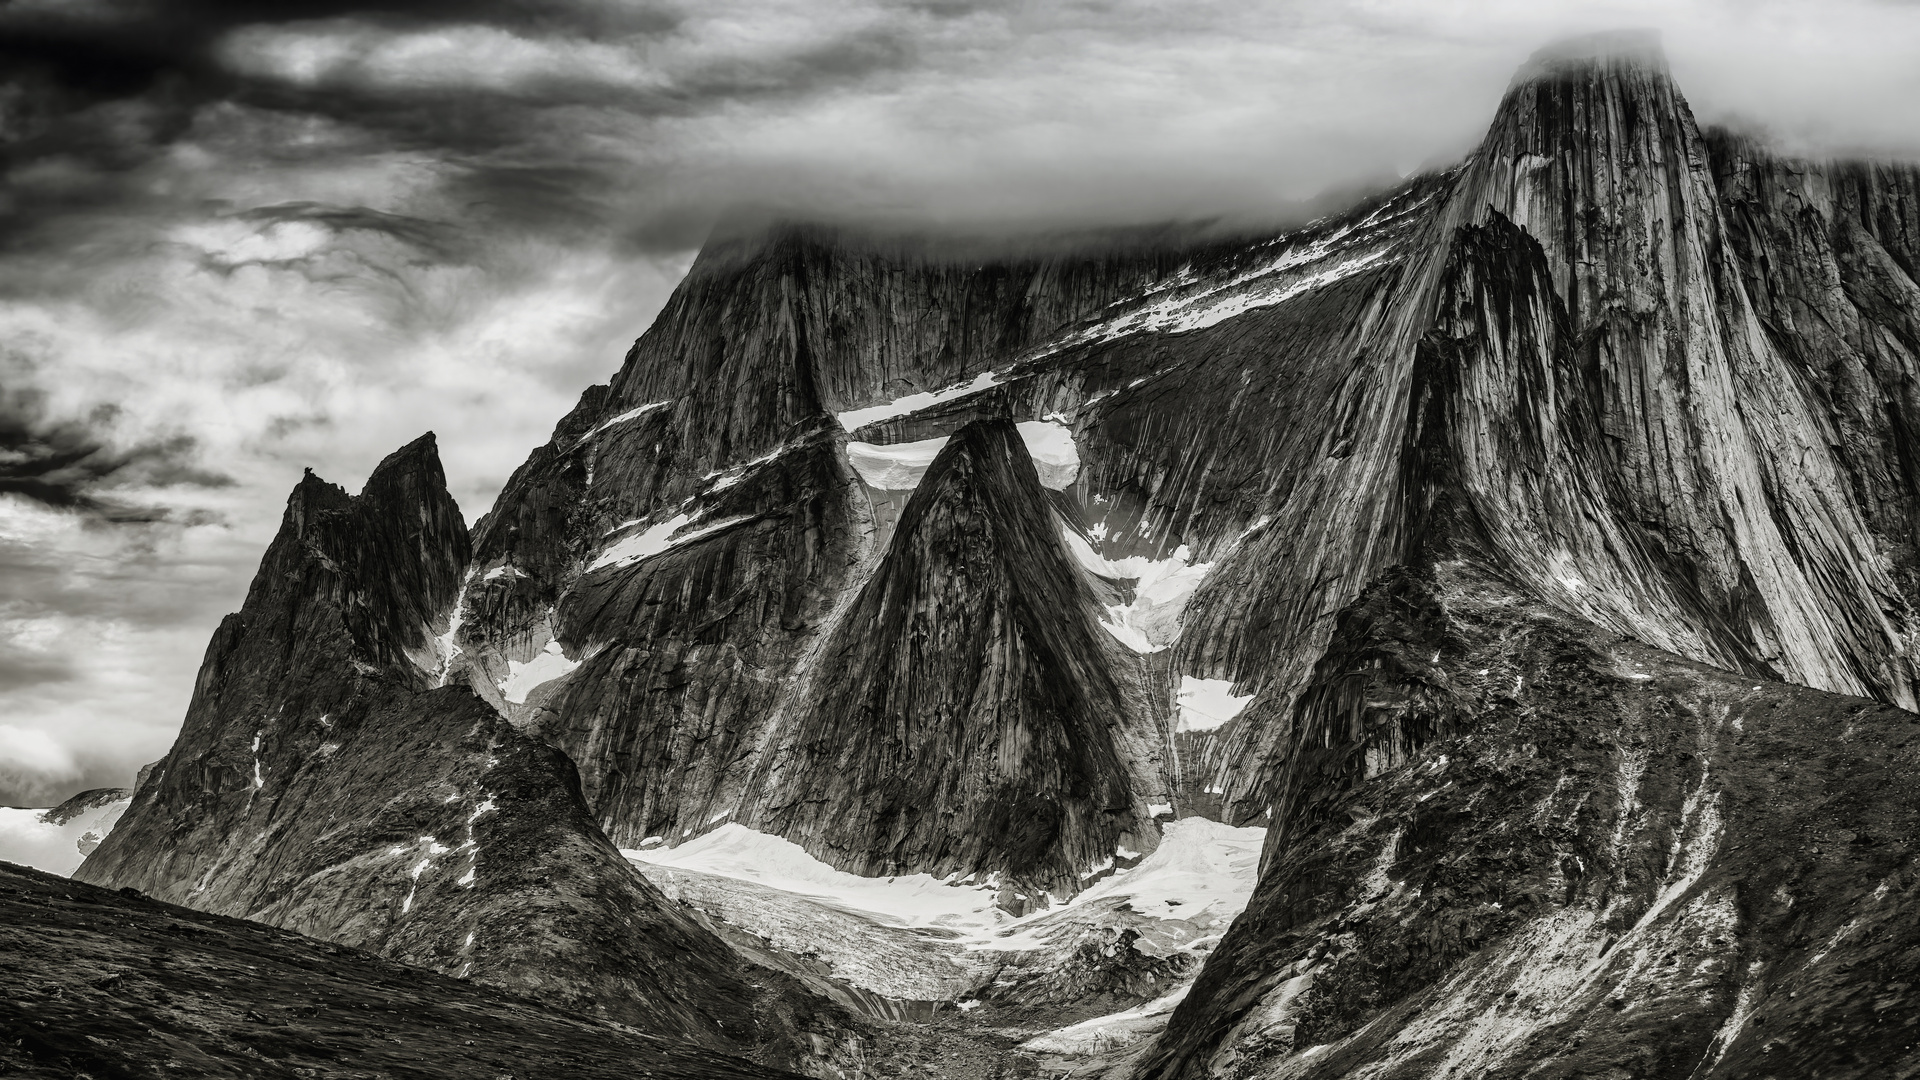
(1297, 269)
(1054, 455)
(912, 403)
(895, 466)
(522, 678)
(1207, 704)
(630, 414)
(632, 549)
(655, 540)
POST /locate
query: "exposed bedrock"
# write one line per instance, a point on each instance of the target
(1491, 543)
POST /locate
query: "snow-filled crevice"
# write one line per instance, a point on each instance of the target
(446, 647)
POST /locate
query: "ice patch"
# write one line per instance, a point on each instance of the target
(895, 466)
(900, 466)
(521, 678)
(1201, 867)
(1207, 704)
(912, 403)
(913, 900)
(504, 570)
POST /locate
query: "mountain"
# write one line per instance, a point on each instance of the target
(328, 781)
(895, 665)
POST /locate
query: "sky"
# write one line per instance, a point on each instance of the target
(234, 244)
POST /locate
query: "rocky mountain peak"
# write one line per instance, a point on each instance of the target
(970, 723)
(1605, 51)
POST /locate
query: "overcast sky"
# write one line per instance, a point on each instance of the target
(231, 248)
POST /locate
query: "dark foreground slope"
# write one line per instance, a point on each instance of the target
(107, 984)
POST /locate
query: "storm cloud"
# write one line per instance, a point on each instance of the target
(239, 239)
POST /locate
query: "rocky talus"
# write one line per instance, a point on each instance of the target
(103, 983)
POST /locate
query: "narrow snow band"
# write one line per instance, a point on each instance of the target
(660, 538)
(899, 466)
(544, 668)
(912, 403)
(624, 417)
(640, 545)
(1207, 704)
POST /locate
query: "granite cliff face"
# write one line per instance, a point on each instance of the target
(1529, 551)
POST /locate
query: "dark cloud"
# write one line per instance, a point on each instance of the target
(72, 465)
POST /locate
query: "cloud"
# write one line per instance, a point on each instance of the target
(32, 766)
(485, 58)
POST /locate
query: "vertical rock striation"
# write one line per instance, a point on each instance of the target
(963, 717)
